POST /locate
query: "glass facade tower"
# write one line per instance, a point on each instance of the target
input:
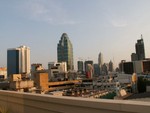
(12, 62)
(65, 51)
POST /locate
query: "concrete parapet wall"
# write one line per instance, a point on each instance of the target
(21, 84)
(17, 102)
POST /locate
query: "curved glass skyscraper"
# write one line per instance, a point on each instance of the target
(65, 51)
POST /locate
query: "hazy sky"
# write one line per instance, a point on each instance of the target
(108, 26)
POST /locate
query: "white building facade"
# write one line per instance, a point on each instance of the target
(18, 60)
(57, 70)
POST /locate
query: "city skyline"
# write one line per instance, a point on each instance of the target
(109, 27)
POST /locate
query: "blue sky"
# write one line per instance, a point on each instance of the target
(108, 26)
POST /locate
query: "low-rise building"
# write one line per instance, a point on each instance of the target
(139, 67)
(18, 84)
(34, 68)
(57, 71)
(41, 81)
(3, 73)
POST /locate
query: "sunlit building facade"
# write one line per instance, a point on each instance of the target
(18, 60)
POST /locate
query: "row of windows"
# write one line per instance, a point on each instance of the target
(64, 49)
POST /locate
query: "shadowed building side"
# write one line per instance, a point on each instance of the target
(140, 50)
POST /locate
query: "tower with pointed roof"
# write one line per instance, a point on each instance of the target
(100, 61)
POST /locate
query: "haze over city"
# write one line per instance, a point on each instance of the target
(110, 27)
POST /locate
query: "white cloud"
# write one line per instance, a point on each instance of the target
(48, 11)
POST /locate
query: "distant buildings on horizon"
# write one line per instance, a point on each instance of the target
(139, 63)
(18, 60)
(140, 50)
(100, 62)
(90, 69)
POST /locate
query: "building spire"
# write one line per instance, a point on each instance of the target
(141, 36)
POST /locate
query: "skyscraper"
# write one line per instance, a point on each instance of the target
(90, 70)
(96, 69)
(140, 50)
(111, 68)
(100, 61)
(18, 60)
(80, 66)
(86, 64)
(65, 51)
(104, 69)
(121, 66)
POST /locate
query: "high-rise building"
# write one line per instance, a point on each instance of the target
(18, 60)
(89, 71)
(140, 50)
(100, 61)
(104, 69)
(128, 67)
(65, 51)
(111, 67)
(121, 66)
(96, 69)
(86, 64)
(80, 66)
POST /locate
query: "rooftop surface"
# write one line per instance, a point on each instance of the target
(140, 97)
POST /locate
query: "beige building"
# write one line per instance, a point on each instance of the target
(57, 70)
(16, 83)
(41, 81)
(3, 73)
(25, 59)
